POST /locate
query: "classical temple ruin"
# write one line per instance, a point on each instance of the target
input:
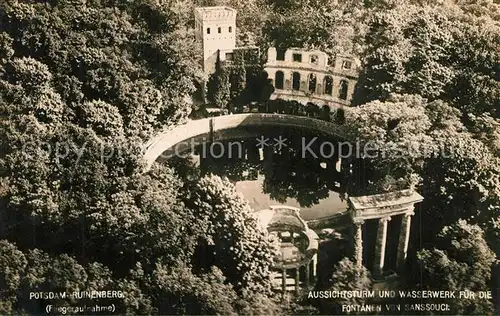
(382, 208)
(295, 268)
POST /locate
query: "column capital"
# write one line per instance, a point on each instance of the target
(358, 221)
(410, 211)
(384, 219)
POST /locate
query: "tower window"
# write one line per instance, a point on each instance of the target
(230, 29)
(219, 30)
(208, 30)
(346, 65)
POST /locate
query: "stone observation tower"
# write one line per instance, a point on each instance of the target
(216, 30)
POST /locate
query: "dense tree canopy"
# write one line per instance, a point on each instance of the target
(348, 277)
(438, 52)
(84, 83)
(331, 26)
(461, 260)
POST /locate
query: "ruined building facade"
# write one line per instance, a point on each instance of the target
(306, 76)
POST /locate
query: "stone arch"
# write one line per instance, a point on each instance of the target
(328, 84)
(279, 79)
(295, 81)
(312, 83)
(343, 88)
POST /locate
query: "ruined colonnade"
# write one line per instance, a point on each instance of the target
(383, 207)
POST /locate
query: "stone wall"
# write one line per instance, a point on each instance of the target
(205, 128)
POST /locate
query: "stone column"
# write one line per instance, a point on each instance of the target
(287, 79)
(358, 242)
(404, 238)
(319, 84)
(303, 84)
(297, 279)
(315, 264)
(380, 246)
(283, 280)
(335, 87)
(319, 89)
(308, 274)
(350, 89)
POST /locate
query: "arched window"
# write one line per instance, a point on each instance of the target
(328, 84)
(296, 81)
(219, 30)
(312, 83)
(208, 30)
(344, 85)
(279, 80)
(230, 29)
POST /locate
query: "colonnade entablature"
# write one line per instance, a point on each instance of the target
(383, 207)
(308, 76)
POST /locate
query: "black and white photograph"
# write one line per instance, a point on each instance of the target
(250, 157)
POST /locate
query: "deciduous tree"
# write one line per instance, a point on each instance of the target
(461, 260)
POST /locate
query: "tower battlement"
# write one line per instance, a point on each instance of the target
(215, 13)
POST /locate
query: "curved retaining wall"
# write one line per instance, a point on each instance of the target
(204, 129)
